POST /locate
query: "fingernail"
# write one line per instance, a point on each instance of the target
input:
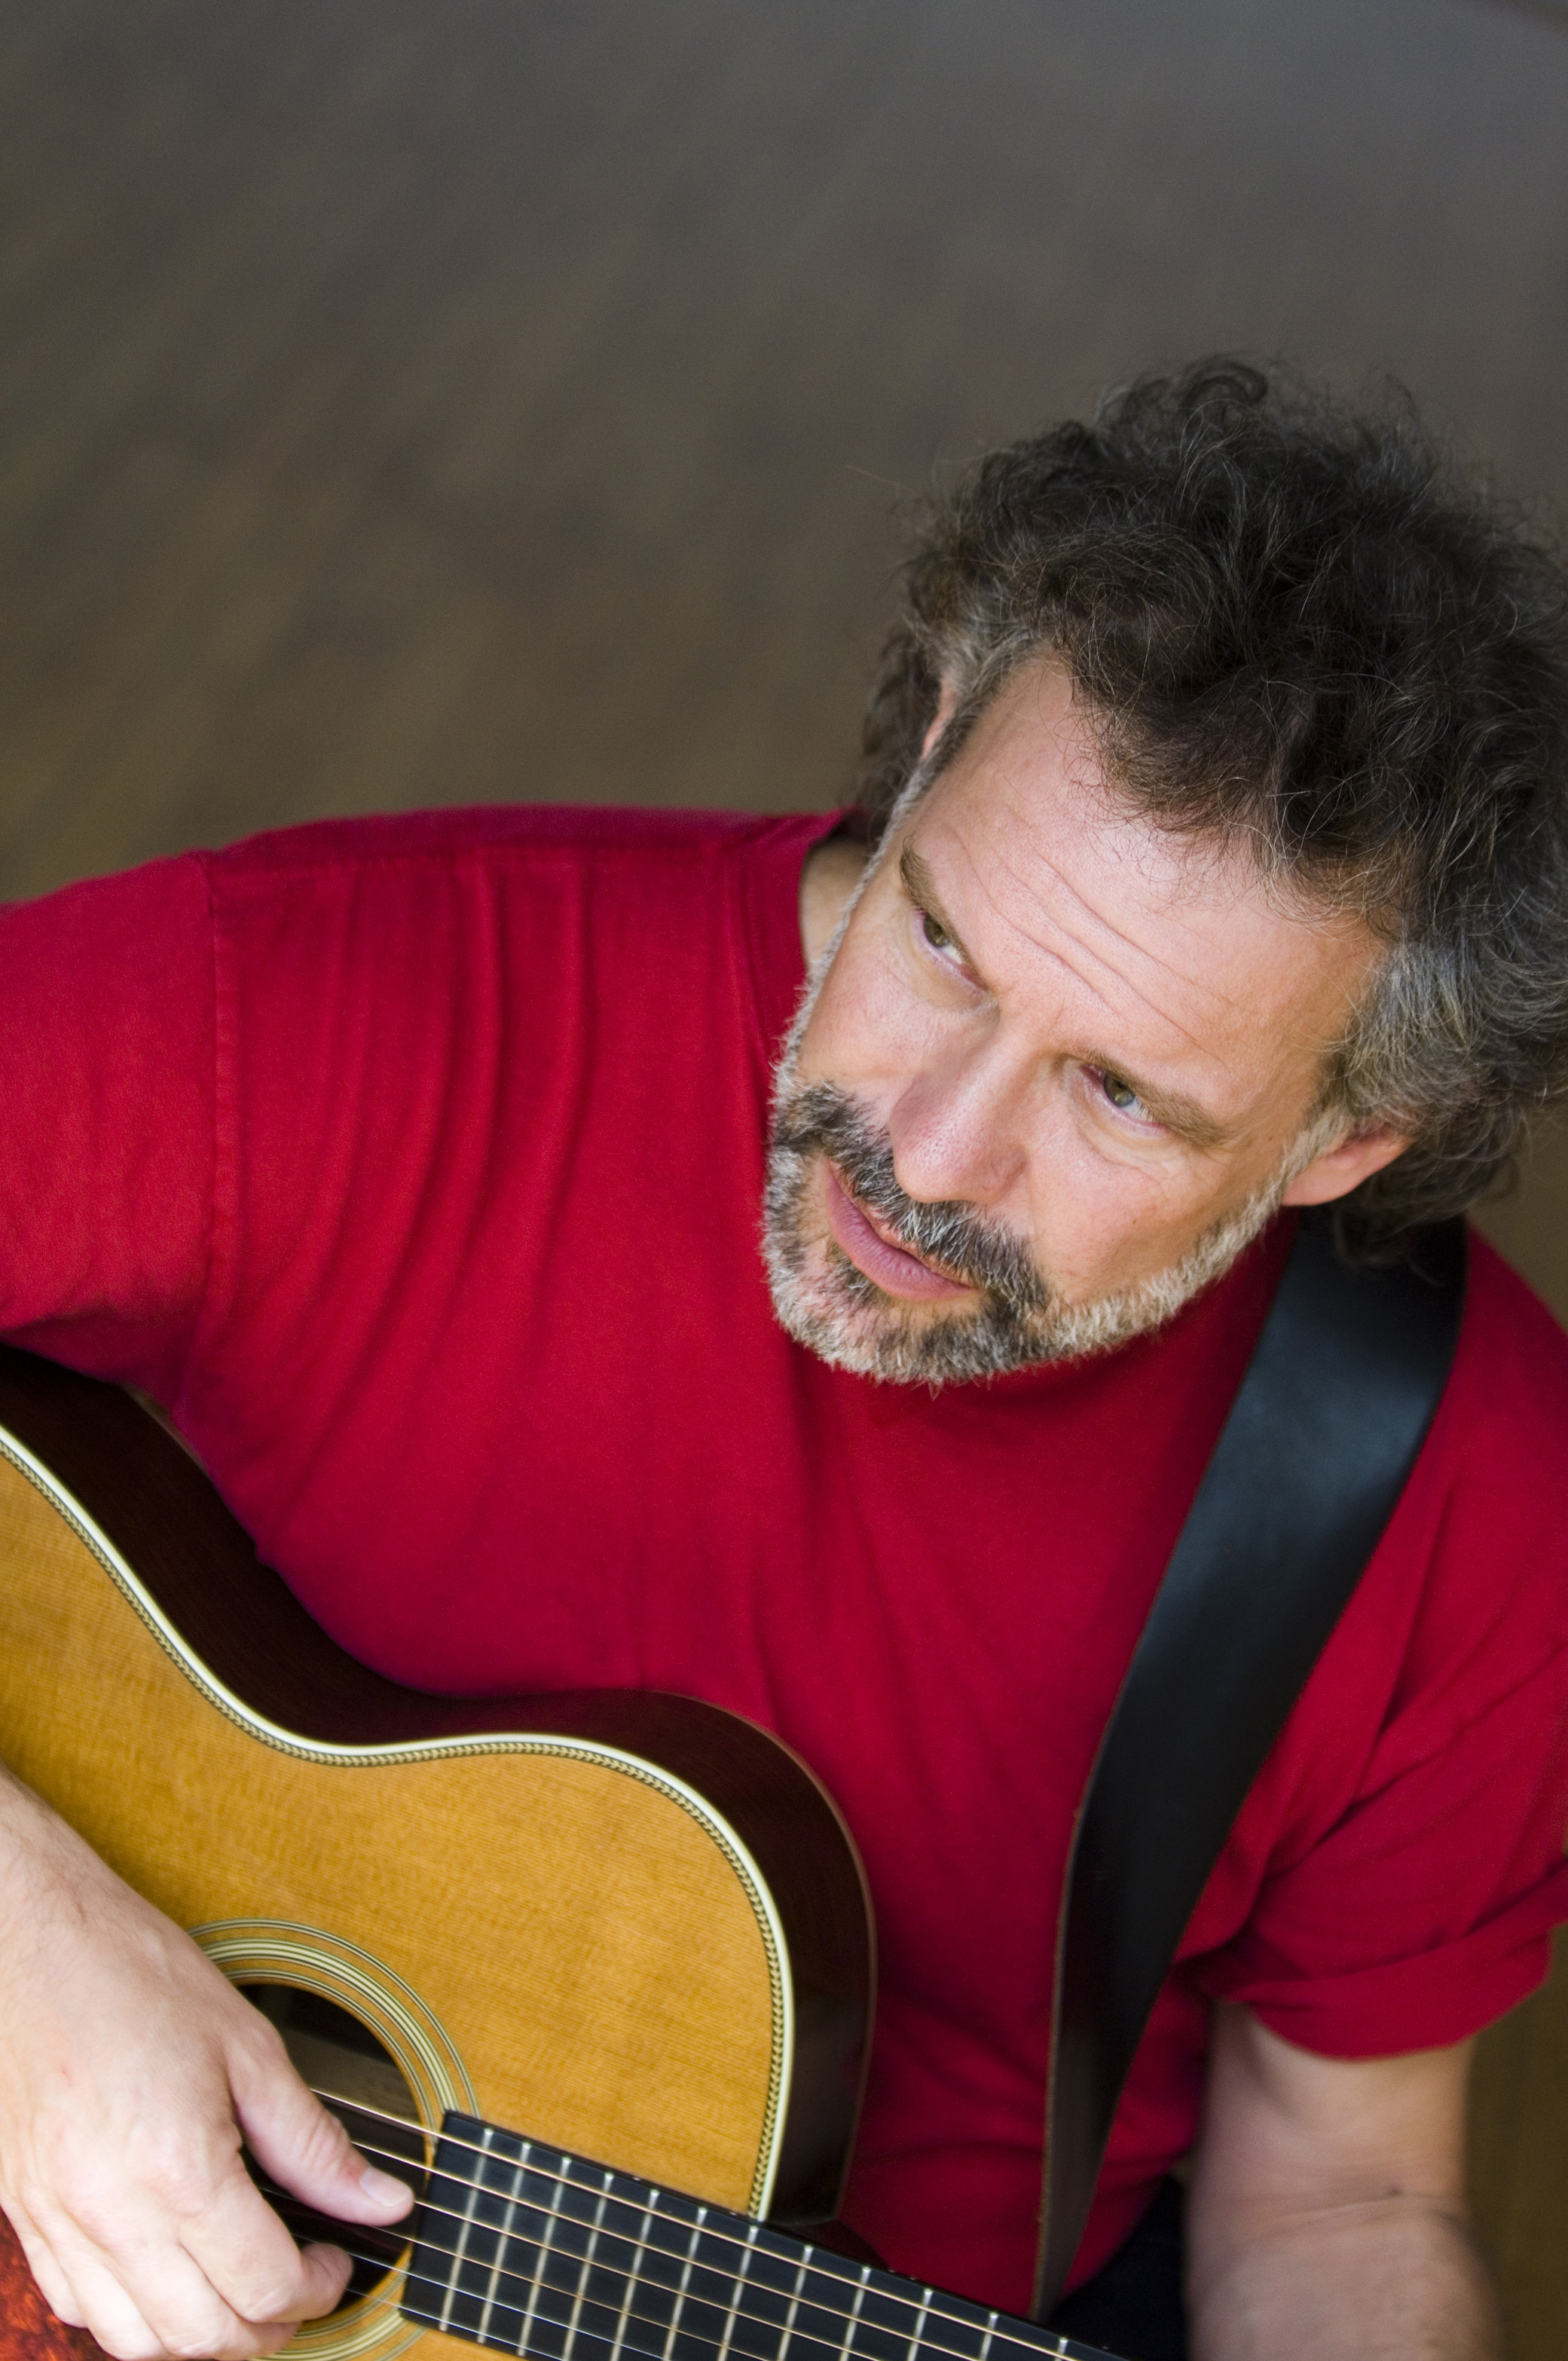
(381, 2185)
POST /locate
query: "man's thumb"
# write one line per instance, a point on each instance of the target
(307, 2151)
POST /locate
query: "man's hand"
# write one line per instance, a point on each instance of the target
(130, 2069)
(1327, 2210)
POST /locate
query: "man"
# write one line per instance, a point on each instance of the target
(1213, 865)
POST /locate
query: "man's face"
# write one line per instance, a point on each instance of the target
(1052, 1075)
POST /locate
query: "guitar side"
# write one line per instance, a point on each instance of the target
(633, 1923)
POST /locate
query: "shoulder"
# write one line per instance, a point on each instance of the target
(502, 839)
(1468, 1591)
(1508, 1398)
(1464, 1607)
(1489, 1495)
(1417, 1790)
(100, 923)
(517, 905)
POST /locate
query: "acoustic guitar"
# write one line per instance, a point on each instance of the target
(593, 1971)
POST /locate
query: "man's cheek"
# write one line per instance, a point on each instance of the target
(1096, 1226)
(868, 1032)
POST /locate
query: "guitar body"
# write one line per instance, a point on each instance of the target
(634, 1925)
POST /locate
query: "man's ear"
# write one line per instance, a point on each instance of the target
(947, 705)
(1344, 1167)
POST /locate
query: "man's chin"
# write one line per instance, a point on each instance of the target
(852, 1324)
(838, 1312)
(832, 1307)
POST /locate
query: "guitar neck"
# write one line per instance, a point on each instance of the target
(521, 2248)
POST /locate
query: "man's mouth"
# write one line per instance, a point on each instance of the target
(892, 1267)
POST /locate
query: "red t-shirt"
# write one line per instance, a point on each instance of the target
(416, 1165)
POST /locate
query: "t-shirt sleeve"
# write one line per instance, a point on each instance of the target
(1466, 1858)
(1433, 1737)
(107, 1121)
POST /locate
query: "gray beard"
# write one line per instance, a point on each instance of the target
(828, 1303)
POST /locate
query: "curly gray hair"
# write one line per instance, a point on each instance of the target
(1300, 626)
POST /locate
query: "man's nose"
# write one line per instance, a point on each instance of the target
(956, 1129)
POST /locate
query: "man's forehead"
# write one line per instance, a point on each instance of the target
(1034, 776)
(1051, 866)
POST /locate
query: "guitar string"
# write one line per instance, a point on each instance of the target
(433, 2318)
(995, 2334)
(919, 2303)
(546, 2246)
(1055, 2350)
(547, 2172)
(626, 2311)
(932, 2310)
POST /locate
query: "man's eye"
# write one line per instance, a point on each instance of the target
(936, 934)
(1122, 1096)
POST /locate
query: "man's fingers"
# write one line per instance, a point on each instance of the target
(307, 2151)
(102, 2303)
(53, 2283)
(163, 2300)
(324, 2275)
(240, 2245)
(102, 2306)
(221, 2276)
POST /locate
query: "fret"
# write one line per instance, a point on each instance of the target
(714, 2307)
(470, 2203)
(731, 2310)
(581, 2251)
(826, 2302)
(764, 2300)
(493, 2291)
(584, 2276)
(475, 2304)
(847, 2343)
(644, 2231)
(709, 2303)
(792, 2314)
(883, 2315)
(656, 2271)
(683, 2287)
(540, 2263)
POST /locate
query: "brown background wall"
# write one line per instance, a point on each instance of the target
(496, 399)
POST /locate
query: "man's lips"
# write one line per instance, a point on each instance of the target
(894, 1271)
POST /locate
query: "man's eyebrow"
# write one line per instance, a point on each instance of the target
(1183, 1117)
(921, 888)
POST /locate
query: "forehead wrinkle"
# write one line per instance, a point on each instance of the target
(1130, 851)
(1114, 1005)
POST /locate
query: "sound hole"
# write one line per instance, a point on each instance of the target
(342, 2060)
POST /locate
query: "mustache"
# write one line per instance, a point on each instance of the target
(822, 1119)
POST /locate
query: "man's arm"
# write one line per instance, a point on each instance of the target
(129, 2071)
(1327, 2218)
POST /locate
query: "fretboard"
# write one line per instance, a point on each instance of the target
(523, 2249)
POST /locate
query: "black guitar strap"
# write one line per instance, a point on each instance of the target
(1332, 1411)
